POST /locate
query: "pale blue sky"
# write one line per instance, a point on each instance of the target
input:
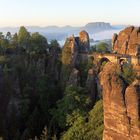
(68, 12)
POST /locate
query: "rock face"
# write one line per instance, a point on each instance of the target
(91, 85)
(132, 99)
(127, 42)
(84, 42)
(79, 47)
(74, 78)
(74, 54)
(121, 106)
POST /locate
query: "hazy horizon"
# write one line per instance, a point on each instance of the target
(42, 13)
(63, 25)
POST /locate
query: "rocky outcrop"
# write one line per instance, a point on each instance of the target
(91, 85)
(74, 78)
(79, 47)
(121, 106)
(74, 56)
(127, 42)
(84, 42)
(132, 100)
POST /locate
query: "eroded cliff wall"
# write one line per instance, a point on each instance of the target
(121, 106)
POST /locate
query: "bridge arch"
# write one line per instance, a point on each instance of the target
(122, 61)
(103, 60)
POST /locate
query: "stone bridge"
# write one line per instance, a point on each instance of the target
(116, 58)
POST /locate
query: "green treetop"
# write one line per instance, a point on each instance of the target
(23, 37)
(38, 43)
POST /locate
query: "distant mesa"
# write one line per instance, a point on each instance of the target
(94, 27)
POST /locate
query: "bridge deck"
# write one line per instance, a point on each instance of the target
(135, 60)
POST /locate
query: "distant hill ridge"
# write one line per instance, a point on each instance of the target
(90, 27)
(61, 33)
